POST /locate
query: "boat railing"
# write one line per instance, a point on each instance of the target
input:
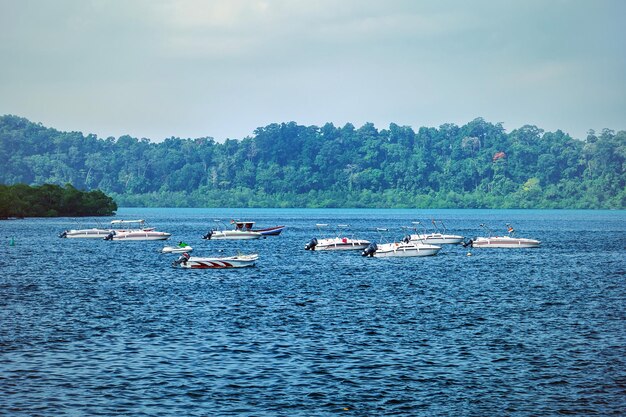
(436, 228)
(340, 229)
(384, 235)
(445, 229)
(421, 234)
(510, 230)
(487, 229)
(139, 224)
(434, 223)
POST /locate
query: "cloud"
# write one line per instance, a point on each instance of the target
(222, 68)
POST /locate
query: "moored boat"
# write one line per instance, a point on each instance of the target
(196, 262)
(509, 241)
(180, 248)
(93, 233)
(404, 249)
(436, 238)
(336, 243)
(137, 230)
(242, 231)
(249, 226)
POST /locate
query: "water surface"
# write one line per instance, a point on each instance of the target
(89, 327)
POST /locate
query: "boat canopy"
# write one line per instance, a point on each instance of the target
(239, 225)
(127, 221)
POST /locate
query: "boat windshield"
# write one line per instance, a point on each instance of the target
(239, 225)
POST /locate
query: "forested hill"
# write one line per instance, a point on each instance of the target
(289, 165)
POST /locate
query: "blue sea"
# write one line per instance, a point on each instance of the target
(100, 328)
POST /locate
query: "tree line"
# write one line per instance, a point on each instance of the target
(50, 200)
(477, 165)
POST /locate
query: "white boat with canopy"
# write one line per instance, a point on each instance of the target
(438, 237)
(509, 241)
(134, 230)
(340, 242)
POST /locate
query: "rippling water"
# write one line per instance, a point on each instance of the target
(89, 327)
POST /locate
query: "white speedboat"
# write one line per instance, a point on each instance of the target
(137, 230)
(405, 248)
(180, 248)
(509, 241)
(242, 231)
(436, 238)
(93, 233)
(336, 243)
(237, 261)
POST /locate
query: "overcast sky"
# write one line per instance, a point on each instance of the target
(195, 68)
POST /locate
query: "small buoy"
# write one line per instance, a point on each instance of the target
(12, 242)
(469, 253)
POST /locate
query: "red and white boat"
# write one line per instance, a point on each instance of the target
(196, 262)
(336, 243)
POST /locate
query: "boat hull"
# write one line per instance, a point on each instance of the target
(340, 244)
(234, 235)
(85, 233)
(505, 242)
(141, 236)
(270, 231)
(438, 239)
(242, 261)
(176, 249)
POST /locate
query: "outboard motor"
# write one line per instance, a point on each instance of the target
(370, 250)
(311, 245)
(110, 235)
(181, 260)
(208, 235)
(64, 234)
(468, 242)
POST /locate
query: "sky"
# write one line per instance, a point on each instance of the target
(222, 68)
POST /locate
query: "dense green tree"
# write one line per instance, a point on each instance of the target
(286, 164)
(50, 200)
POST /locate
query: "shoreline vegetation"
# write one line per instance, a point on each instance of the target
(49, 200)
(477, 165)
